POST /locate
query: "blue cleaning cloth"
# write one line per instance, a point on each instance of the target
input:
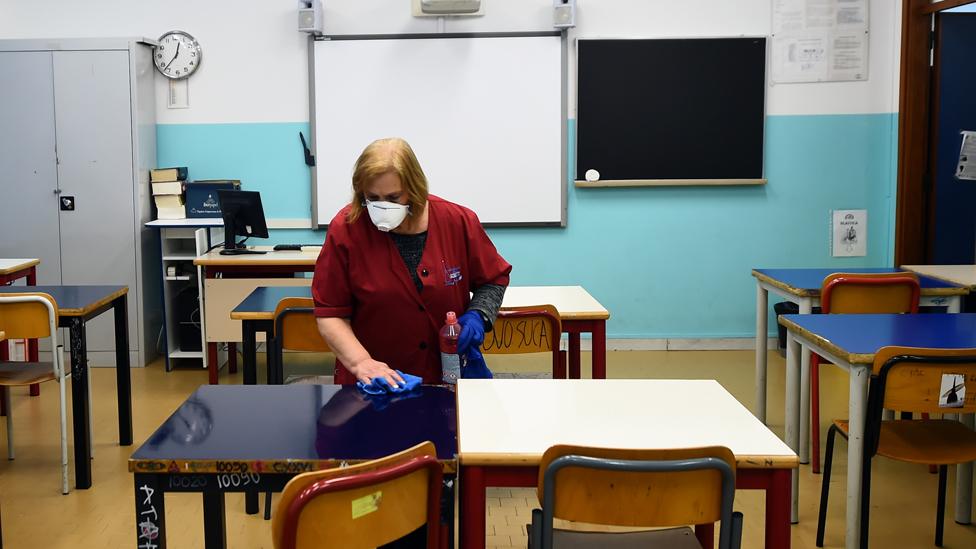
(380, 386)
(382, 401)
(475, 368)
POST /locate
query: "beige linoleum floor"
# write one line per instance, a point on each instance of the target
(35, 514)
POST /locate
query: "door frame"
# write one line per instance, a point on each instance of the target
(917, 113)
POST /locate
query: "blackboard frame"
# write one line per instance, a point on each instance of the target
(613, 133)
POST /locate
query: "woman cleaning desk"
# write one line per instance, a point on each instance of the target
(385, 281)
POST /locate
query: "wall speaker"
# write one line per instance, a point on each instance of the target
(564, 14)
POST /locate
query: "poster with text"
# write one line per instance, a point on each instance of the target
(819, 40)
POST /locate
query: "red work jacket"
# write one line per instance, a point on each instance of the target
(360, 275)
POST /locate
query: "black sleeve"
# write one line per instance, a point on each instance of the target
(486, 300)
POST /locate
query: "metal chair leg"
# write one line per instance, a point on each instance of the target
(10, 423)
(62, 381)
(940, 509)
(815, 413)
(865, 499)
(825, 485)
(267, 506)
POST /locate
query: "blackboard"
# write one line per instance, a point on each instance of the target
(674, 111)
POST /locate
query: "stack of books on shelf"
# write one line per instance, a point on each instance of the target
(167, 189)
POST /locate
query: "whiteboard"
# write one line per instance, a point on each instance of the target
(485, 115)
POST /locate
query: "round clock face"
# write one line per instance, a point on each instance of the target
(177, 55)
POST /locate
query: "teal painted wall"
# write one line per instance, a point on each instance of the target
(667, 262)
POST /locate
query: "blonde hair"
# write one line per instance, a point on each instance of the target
(390, 155)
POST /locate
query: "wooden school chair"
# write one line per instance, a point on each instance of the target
(364, 505)
(913, 380)
(30, 316)
(635, 488)
(295, 329)
(857, 293)
(527, 329)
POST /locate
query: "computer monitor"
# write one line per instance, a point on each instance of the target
(243, 216)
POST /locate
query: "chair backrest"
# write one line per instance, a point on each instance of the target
(915, 379)
(911, 379)
(638, 488)
(295, 326)
(28, 315)
(854, 293)
(364, 505)
(528, 329)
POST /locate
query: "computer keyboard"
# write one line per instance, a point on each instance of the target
(290, 247)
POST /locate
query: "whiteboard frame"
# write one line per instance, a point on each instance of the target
(582, 183)
(563, 107)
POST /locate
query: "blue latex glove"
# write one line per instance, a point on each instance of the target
(380, 385)
(475, 368)
(472, 332)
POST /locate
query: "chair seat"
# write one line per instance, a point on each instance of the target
(670, 538)
(927, 441)
(25, 373)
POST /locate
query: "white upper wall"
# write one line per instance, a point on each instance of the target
(255, 65)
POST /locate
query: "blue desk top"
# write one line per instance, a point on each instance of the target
(73, 300)
(264, 299)
(295, 428)
(858, 337)
(809, 281)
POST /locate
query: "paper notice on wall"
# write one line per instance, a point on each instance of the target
(819, 40)
(849, 233)
(800, 57)
(966, 169)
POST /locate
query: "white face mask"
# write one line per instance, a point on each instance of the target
(387, 215)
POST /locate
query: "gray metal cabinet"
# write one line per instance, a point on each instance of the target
(77, 119)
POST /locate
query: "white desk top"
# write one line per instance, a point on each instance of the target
(8, 266)
(513, 421)
(572, 302)
(306, 256)
(188, 222)
(964, 275)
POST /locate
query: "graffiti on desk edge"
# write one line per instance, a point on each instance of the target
(291, 467)
(148, 517)
(228, 467)
(232, 467)
(150, 466)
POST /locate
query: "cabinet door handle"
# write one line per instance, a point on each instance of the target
(57, 191)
